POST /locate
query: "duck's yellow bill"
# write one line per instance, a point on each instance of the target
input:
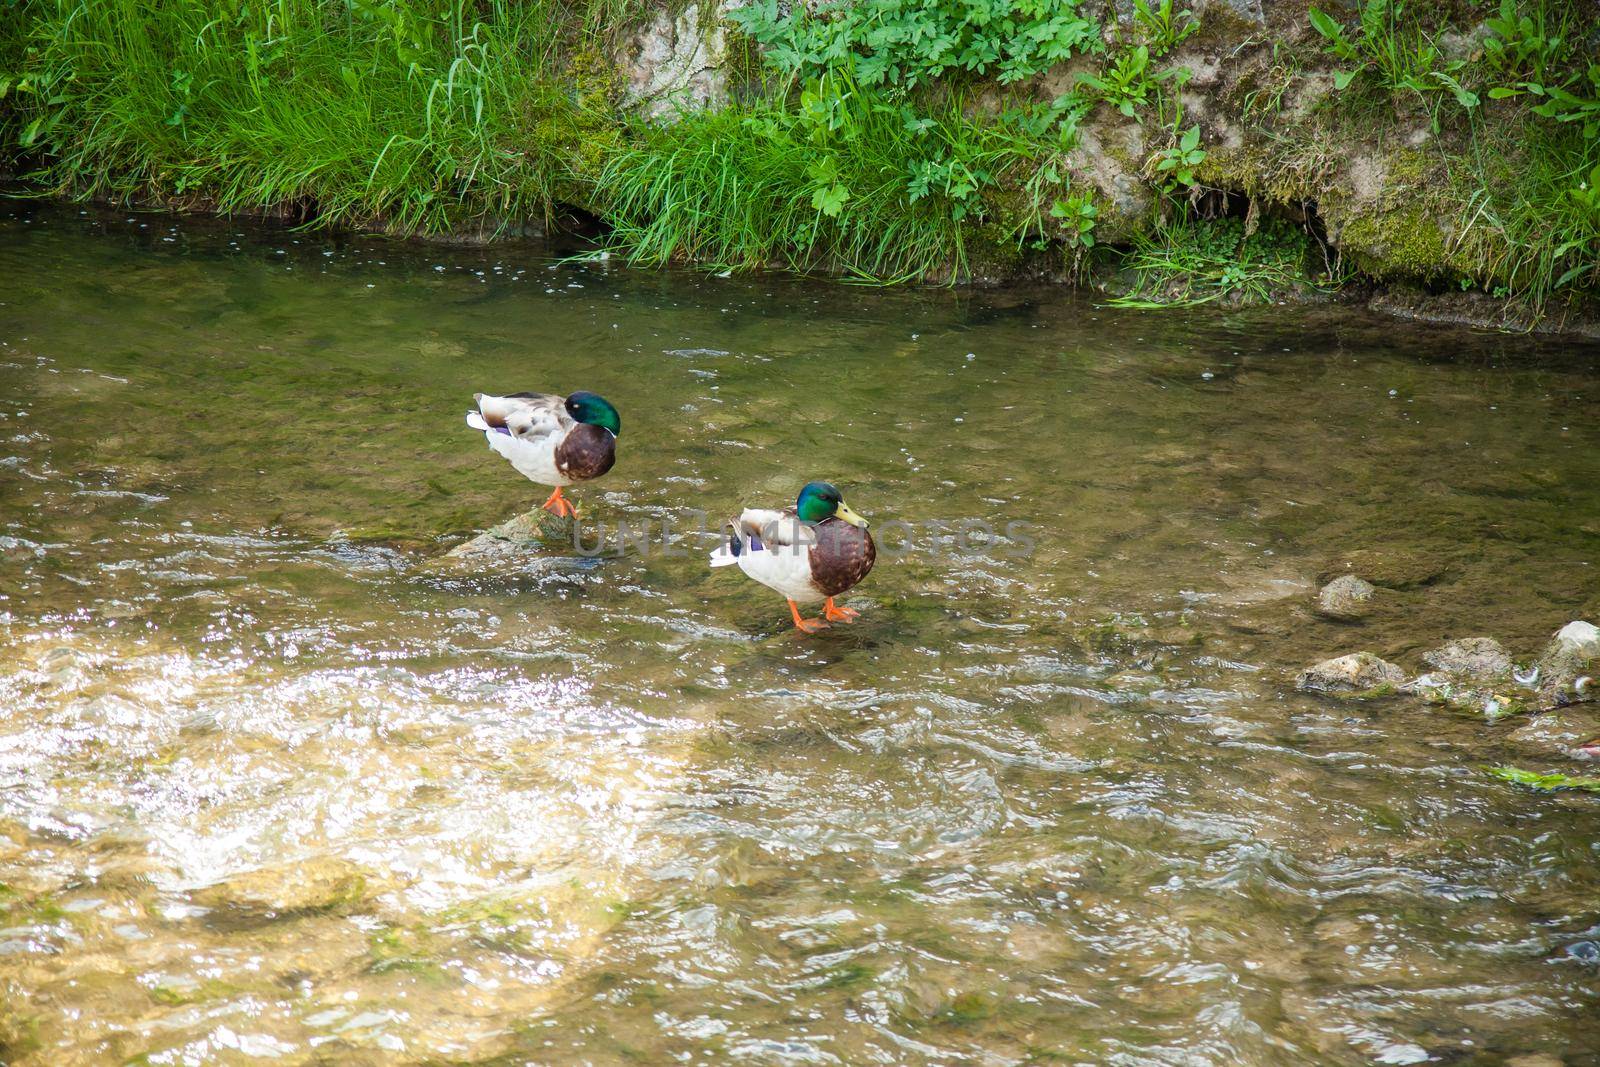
(849, 516)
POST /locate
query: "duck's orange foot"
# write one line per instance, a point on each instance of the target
(834, 613)
(560, 506)
(809, 626)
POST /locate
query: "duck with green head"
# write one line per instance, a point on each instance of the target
(551, 440)
(814, 551)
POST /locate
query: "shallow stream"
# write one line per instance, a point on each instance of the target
(277, 786)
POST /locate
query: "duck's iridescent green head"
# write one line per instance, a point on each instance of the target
(595, 410)
(819, 501)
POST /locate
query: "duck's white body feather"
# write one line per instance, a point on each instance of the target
(775, 550)
(534, 427)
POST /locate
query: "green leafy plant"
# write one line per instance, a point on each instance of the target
(1164, 30)
(902, 44)
(1525, 45)
(1572, 102)
(1129, 83)
(828, 193)
(1531, 212)
(1077, 215)
(849, 181)
(1177, 163)
(1390, 52)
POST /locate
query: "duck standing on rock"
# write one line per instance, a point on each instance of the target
(816, 550)
(551, 440)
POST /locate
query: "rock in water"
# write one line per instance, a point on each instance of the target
(516, 535)
(1346, 597)
(1569, 670)
(314, 885)
(1580, 634)
(1358, 674)
(1470, 657)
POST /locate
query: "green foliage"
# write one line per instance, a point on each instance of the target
(1177, 163)
(1391, 52)
(1525, 44)
(1189, 261)
(906, 43)
(1575, 101)
(1532, 215)
(1077, 215)
(427, 113)
(1525, 182)
(1164, 30)
(1129, 83)
(847, 180)
(1545, 782)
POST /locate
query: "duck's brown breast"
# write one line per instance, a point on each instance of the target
(842, 556)
(588, 452)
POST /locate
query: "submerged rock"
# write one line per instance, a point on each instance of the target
(1470, 657)
(1569, 732)
(512, 537)
(1394, 568)
(1569, 669)
(1358, 674)
(1346, 597)
(310, 886)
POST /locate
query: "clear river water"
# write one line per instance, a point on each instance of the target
(280, 784)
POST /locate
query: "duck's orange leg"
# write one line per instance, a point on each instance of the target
(837, 614)
(560, 506)
(810, 626)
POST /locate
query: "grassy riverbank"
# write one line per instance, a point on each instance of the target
(1448, 144)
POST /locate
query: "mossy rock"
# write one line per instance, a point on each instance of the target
(967, 1008)
(1358, 676)
(314, 886)
(1403, 243)
(529, 531)
(177, 995)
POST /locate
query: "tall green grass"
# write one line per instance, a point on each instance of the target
(830, 176)
(425, 113)
(1531, 210)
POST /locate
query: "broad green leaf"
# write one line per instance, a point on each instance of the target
(1324, 24)
(830, 199)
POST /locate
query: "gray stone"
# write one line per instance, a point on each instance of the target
(1569, 669)
(1358, 674)
(1470, 657)
(1249, 11)
(677, 63)
(1346, 597)
(1108, 156)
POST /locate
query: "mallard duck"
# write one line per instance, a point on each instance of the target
(813, 551)
(551, 440)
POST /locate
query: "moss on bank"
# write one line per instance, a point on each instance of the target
(1449, 145)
